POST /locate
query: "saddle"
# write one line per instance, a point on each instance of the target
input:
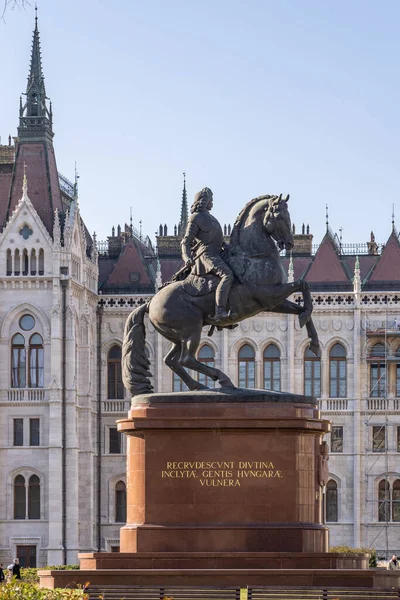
(195, 285)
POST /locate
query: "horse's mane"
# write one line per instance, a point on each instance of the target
(234, 240)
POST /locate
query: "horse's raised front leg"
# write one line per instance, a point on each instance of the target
(188, 360)
(291, 308)
(305, 313)
(172, 361)
(305, 316)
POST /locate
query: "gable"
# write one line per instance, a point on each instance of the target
(326, 266)
(129, 268)
(25, 228)
(388, 266)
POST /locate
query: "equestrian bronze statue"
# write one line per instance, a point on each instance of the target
(220, 285)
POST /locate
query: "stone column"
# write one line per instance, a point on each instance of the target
(356, 426)
(54, 505)
(290, 355)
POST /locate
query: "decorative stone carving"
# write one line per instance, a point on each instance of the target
(324, 325)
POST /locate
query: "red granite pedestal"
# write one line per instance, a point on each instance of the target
(221, 484)
(210, 472)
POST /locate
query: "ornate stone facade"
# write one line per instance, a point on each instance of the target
(64, 302)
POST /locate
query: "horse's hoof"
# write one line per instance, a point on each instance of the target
(198, 387)
(225, 382)
(315, 349)
(304, 318)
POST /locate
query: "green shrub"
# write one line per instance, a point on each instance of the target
(30, 575)
(373, 561)
(16, 590)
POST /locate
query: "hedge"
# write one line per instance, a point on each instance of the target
(373, 561)
(17, 589)
(30, 575)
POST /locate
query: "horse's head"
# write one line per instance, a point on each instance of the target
(277, 222)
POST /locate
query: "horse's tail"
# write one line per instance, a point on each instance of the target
(135, 363)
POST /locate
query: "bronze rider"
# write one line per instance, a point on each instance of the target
(204, 232)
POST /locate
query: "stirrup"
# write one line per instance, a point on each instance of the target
(220, 317)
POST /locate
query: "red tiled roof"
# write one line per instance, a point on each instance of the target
(5, 184)
(169, 266)
(388, 265)
(326, 266)
(106, 265)
(42, 177)
(366, 261)
(130, 261)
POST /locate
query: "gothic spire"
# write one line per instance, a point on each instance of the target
(184, 209)
(36, 78)
(35, 118)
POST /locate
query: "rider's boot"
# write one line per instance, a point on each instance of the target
(221, 314)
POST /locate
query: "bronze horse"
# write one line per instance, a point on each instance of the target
(180, 309)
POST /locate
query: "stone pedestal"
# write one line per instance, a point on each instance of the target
(223, 490)
(214, 472)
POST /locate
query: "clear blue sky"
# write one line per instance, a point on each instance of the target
(262, 96)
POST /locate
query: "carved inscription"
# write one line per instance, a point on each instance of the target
(221, 473)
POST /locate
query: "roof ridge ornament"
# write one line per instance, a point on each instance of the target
(357, 277)
(291, 269)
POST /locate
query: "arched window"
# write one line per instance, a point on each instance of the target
(120, 502)
(34, 497)
(9, 262)
(36, 361)
(34, 105)
(396, 501)
(337, 372)
(378, 371)
(115, 388)
(19, 497)
(384, 501)
(206, 356)
(33, 261)
(25, 262)
(312, 374)
(378, 350)
(331, 499)
(18, 361)
(41, 262)
(247, 378)
(17, 262)
(272, 368)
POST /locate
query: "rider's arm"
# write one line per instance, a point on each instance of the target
(191, 232)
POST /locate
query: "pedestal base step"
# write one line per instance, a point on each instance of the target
(222, 560)
(166, 579)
